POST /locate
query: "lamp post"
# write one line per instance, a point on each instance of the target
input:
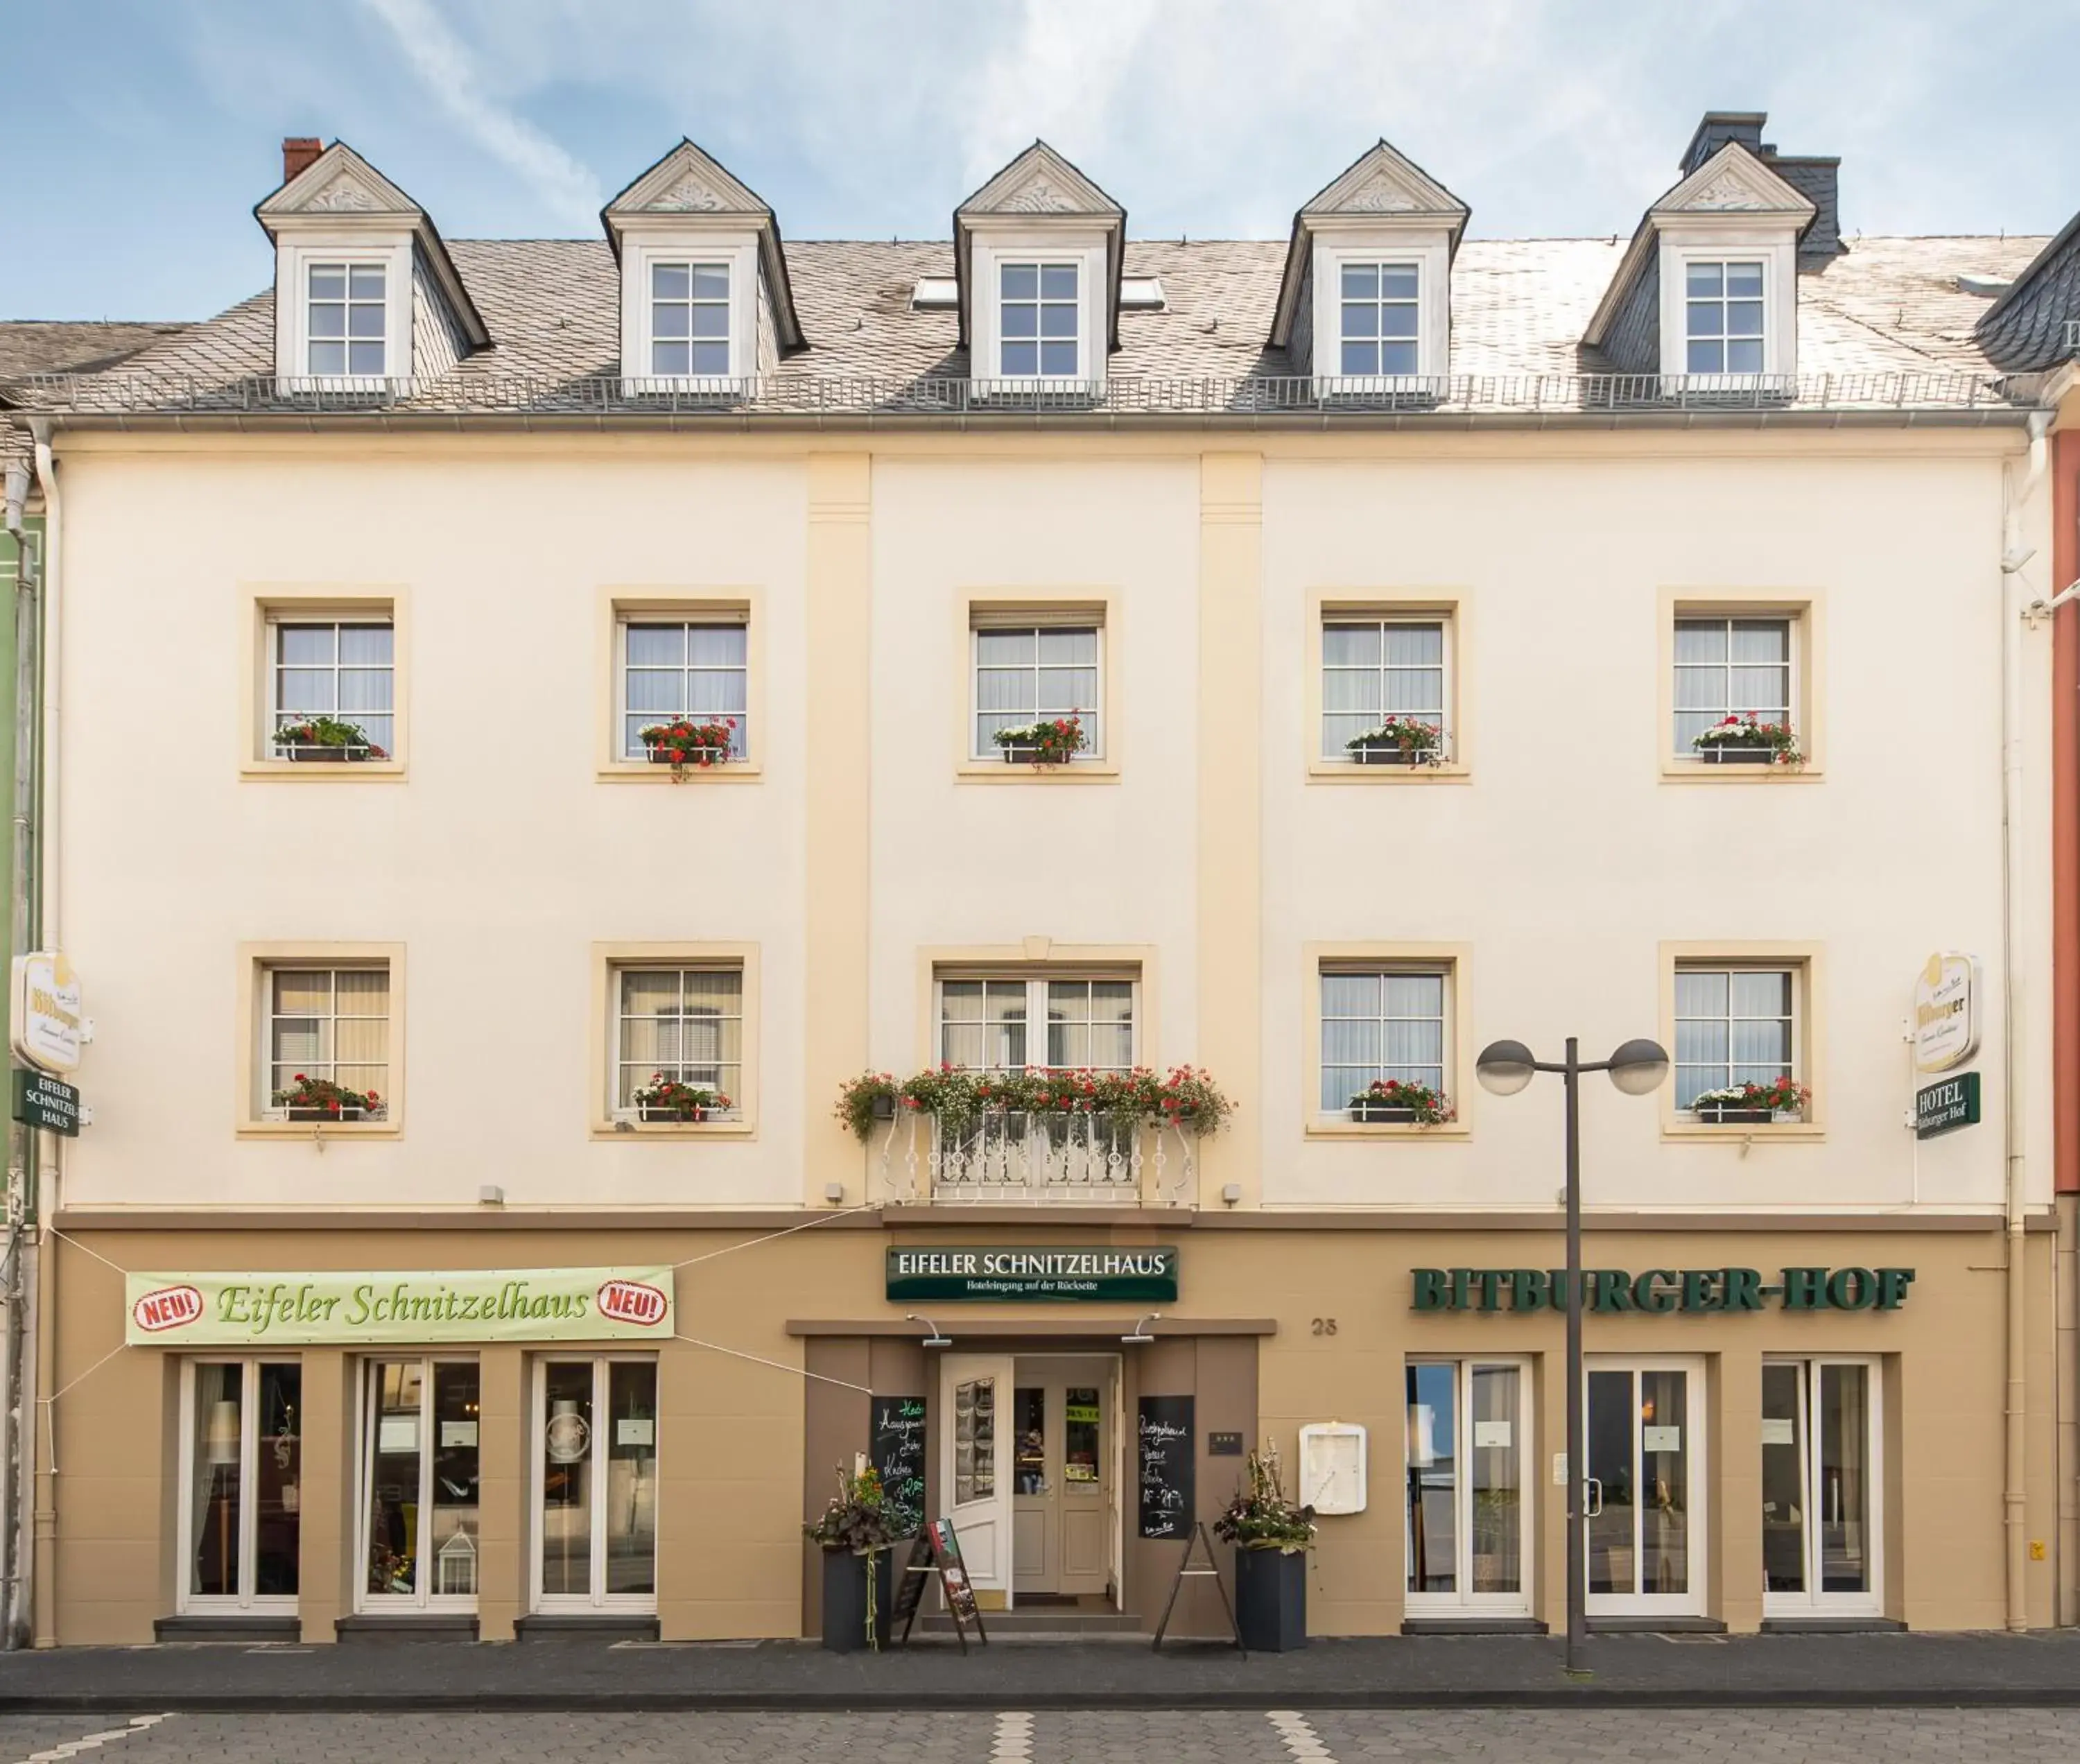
(1638, 1069)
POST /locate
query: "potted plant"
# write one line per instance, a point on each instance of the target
(667, 1099)
(1401, 1101)
(325, 738)
(855, 1533)
(1271, 1537)
(1742, 1105)
(863, 1101)
(320, 1099)
(1051, 741)
(1398, 740)
(1746, 741)
(683, 742)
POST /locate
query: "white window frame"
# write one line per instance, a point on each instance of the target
(1794, 636)
(1701, 1488)
(280, 618)
(1040, 263)
(1794, 971)
(425, 1598)
(692, 619)
(638, 253)
(1703, 239)
(989, 248)
(265, 1107)
(1379, 302)
(599, 1599)
(1813, 1602)
(1726, 336)
(1036, 985)
(1428, 248)
(1093, 717)
(1461, 1601)
(1445, 971)
(1448, 665)
(617, 1020)
(294, 261)
(245, 1599)
(348, 336)
(694, 301)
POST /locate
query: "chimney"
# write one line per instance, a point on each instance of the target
(1718, 127)
(299, 153)
(1811, 175)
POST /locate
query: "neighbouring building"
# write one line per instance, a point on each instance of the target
(1305, 660)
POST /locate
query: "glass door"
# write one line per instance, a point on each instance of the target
(1820, 1488)
(419, 1485)
(1643, 1492)
(241, 1454)
(595, 1473)
(1465, 1525)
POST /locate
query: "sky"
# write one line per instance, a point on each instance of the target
(137, 135)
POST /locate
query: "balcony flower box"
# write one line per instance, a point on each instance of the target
(683, 743)
(1053, 741)
(665, 1100)
(325, 739)
(1400, 740)
(1398, 1102)
(1746, 741)
(320, 1100)
(1752, 1105)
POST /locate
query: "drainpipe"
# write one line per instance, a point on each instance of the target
(44, 1282)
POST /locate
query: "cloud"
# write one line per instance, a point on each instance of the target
(567, 189)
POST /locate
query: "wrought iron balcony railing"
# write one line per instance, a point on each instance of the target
(1003, 1156)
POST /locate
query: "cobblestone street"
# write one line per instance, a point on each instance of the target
(1550, 1737)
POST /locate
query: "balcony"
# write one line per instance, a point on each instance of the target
(1015, 1158)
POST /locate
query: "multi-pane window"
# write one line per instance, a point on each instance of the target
(339, 668)
(689, 319)
(1026, 674)
(685, 1024)
(1734, 1025)
(348, 320)
(327, 1024)
(1037, 320)
(1373, 669)
(241, 1458)
(674, 668)
(1379, 318)
(1730, 667)
(419, 1483)
(1380, 1023)
(984, 1023)
(1723, 318)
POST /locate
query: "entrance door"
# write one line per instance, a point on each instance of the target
(1644, 1491)
(595, 1476)
(1063, 1506)
(1820, 1523)
(975, 1467)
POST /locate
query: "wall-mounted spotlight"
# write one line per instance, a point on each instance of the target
(935, 1339)
(1141, 1330)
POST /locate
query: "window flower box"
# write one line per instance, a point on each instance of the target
(1053, 741)
(1752, 1105)
(1396, 1102)
(1400, 740)
(665, 1100)
(683, 743)
(323, 740)
(1746, 741)
(320, 1100)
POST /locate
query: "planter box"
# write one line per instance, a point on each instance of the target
(845, 1599)
(1271, 1600)
(884, 1108)
(1733, 755)
(322, 755)
(297, 1113)
(1375, 1113)
(679, 1117)
(1394, 756)
(1036, 756)
(1728, 1115)
(713, 756)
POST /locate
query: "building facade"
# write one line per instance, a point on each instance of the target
(467, 1236)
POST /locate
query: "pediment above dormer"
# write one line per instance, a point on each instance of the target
(338, 182)
(687, 180)
(1732, 181)
(1383, 182)
(1038, 181)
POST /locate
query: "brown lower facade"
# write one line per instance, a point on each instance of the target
(1788, 1422)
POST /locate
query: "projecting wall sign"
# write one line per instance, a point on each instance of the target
(1946, 1012)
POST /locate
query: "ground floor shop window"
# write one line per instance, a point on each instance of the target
(1643, 1494)
(1820, 1486)
(419, 1483)
(595, 1472)
(1466, 1522)
(241, 1426)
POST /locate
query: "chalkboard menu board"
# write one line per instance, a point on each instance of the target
(898, 1453)
(1168, 1461)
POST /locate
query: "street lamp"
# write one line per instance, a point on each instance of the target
(1638, 1069)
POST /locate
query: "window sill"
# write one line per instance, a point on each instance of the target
(304, 771)
(295, 1130)
(735, 772)
(1074, 771)
(1697, 771)
(674, 1130)
(1394, 1130)
(1341, 771)
(1807, 1130)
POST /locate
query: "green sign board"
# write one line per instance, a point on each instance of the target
(45, 1102)
(1012, 1273)
(1944, 1107)
(476, 1305)
(1663, 1289)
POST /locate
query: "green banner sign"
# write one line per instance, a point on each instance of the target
(43, 1100)
(1942, 1108)
(1663, 1289)
(510, 1305)
(1013, 1273)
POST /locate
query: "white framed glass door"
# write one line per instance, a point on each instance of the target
(595, 1484)
(1822, 1491)
(418, 1485)
(1466, 1527)
(1644, 1491)
(975, 1466)
(240, 1523)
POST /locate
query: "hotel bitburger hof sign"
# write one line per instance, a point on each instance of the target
(509, 1305)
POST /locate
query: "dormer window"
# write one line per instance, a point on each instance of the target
(1038, 320)
(689, 319)
(1723, 307)
(1380, 330)
(348, 320)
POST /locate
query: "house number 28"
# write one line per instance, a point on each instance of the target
(1325, 1325)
